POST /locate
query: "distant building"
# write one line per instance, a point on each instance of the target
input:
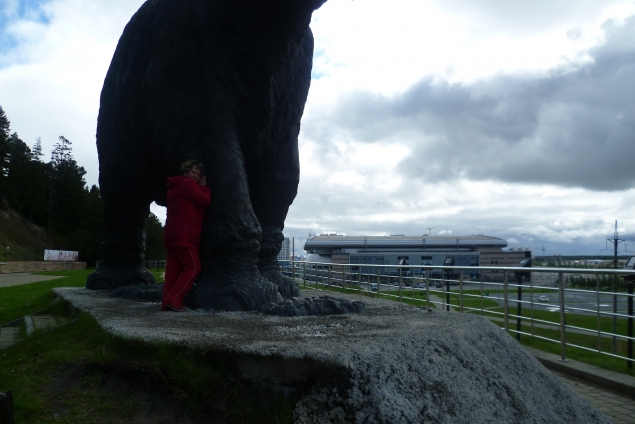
(414, 250)
(285, 251)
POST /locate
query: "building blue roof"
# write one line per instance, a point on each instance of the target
(401, 242)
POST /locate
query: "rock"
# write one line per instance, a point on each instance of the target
(391, 364)
(324, 305)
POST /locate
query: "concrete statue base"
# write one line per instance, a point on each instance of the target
(393, 363)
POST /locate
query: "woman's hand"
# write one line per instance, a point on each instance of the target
(201, 181)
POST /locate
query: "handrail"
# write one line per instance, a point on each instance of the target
(533, 316)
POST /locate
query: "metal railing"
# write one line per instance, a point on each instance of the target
(155, 264)
(588, 309)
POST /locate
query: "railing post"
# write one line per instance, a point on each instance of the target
(614, 312)
(328, 280)
(378, 281)
(304, 273)
(480, 277)
(519, 305)
(293, 270)
(629, 343)
(505, 300)
(461, 291)
(399, 285)
(427, 288)
(444, 274)
(563, 318)
(597, 302)
(359, 279)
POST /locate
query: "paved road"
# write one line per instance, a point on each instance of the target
(588, 302)
(20, 278)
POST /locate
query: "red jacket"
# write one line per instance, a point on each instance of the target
(186, 207)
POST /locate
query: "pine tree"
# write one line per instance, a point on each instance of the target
(154, 238)
(36, 152)
(87, 238)
(67, 193)
(4, 153)
(18, 174)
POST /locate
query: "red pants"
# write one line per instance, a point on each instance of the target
(181, 269)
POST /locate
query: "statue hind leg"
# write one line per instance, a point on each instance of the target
(274, 179)
(126, 211)
(275, 194)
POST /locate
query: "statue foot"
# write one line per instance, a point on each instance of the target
(112, 277)
(286, 286)
(240, 295)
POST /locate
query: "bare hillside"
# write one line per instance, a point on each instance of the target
(26, 241)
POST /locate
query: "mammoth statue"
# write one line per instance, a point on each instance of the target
(223, 82)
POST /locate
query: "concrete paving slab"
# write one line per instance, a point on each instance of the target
(618, 406)
(616, 381)
(392, 363)
(20, 278)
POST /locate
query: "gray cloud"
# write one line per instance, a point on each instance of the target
(524, 16)
(573, 128)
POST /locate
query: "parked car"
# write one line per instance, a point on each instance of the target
(543, 298)
(373, 286)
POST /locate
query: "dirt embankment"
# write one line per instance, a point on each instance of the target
(26, 241)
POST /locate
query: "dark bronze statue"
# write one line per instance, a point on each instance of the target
(223, 82)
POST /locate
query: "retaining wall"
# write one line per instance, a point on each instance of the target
(34, 266)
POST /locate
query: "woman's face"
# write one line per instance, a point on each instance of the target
(194, 173)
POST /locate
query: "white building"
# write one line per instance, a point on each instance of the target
(473, 250)
(285, 251)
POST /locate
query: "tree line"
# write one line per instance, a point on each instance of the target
(55, 196)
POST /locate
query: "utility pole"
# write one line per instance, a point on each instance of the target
(543, 253)
(616, 241)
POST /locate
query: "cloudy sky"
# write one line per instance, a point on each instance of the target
(455, 117)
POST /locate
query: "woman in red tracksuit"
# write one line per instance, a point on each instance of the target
(187, 198)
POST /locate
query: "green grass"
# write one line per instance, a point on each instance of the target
(56, 380)
(584, 321)
(78, 373)
(593, 358)
(18, 301)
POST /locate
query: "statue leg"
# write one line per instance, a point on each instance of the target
(271, 199)
(230, 241)
(126, 211)
(274, 177)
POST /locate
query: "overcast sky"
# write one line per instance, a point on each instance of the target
(510, 119)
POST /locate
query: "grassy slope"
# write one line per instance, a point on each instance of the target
(26, 240)
(78, 373)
